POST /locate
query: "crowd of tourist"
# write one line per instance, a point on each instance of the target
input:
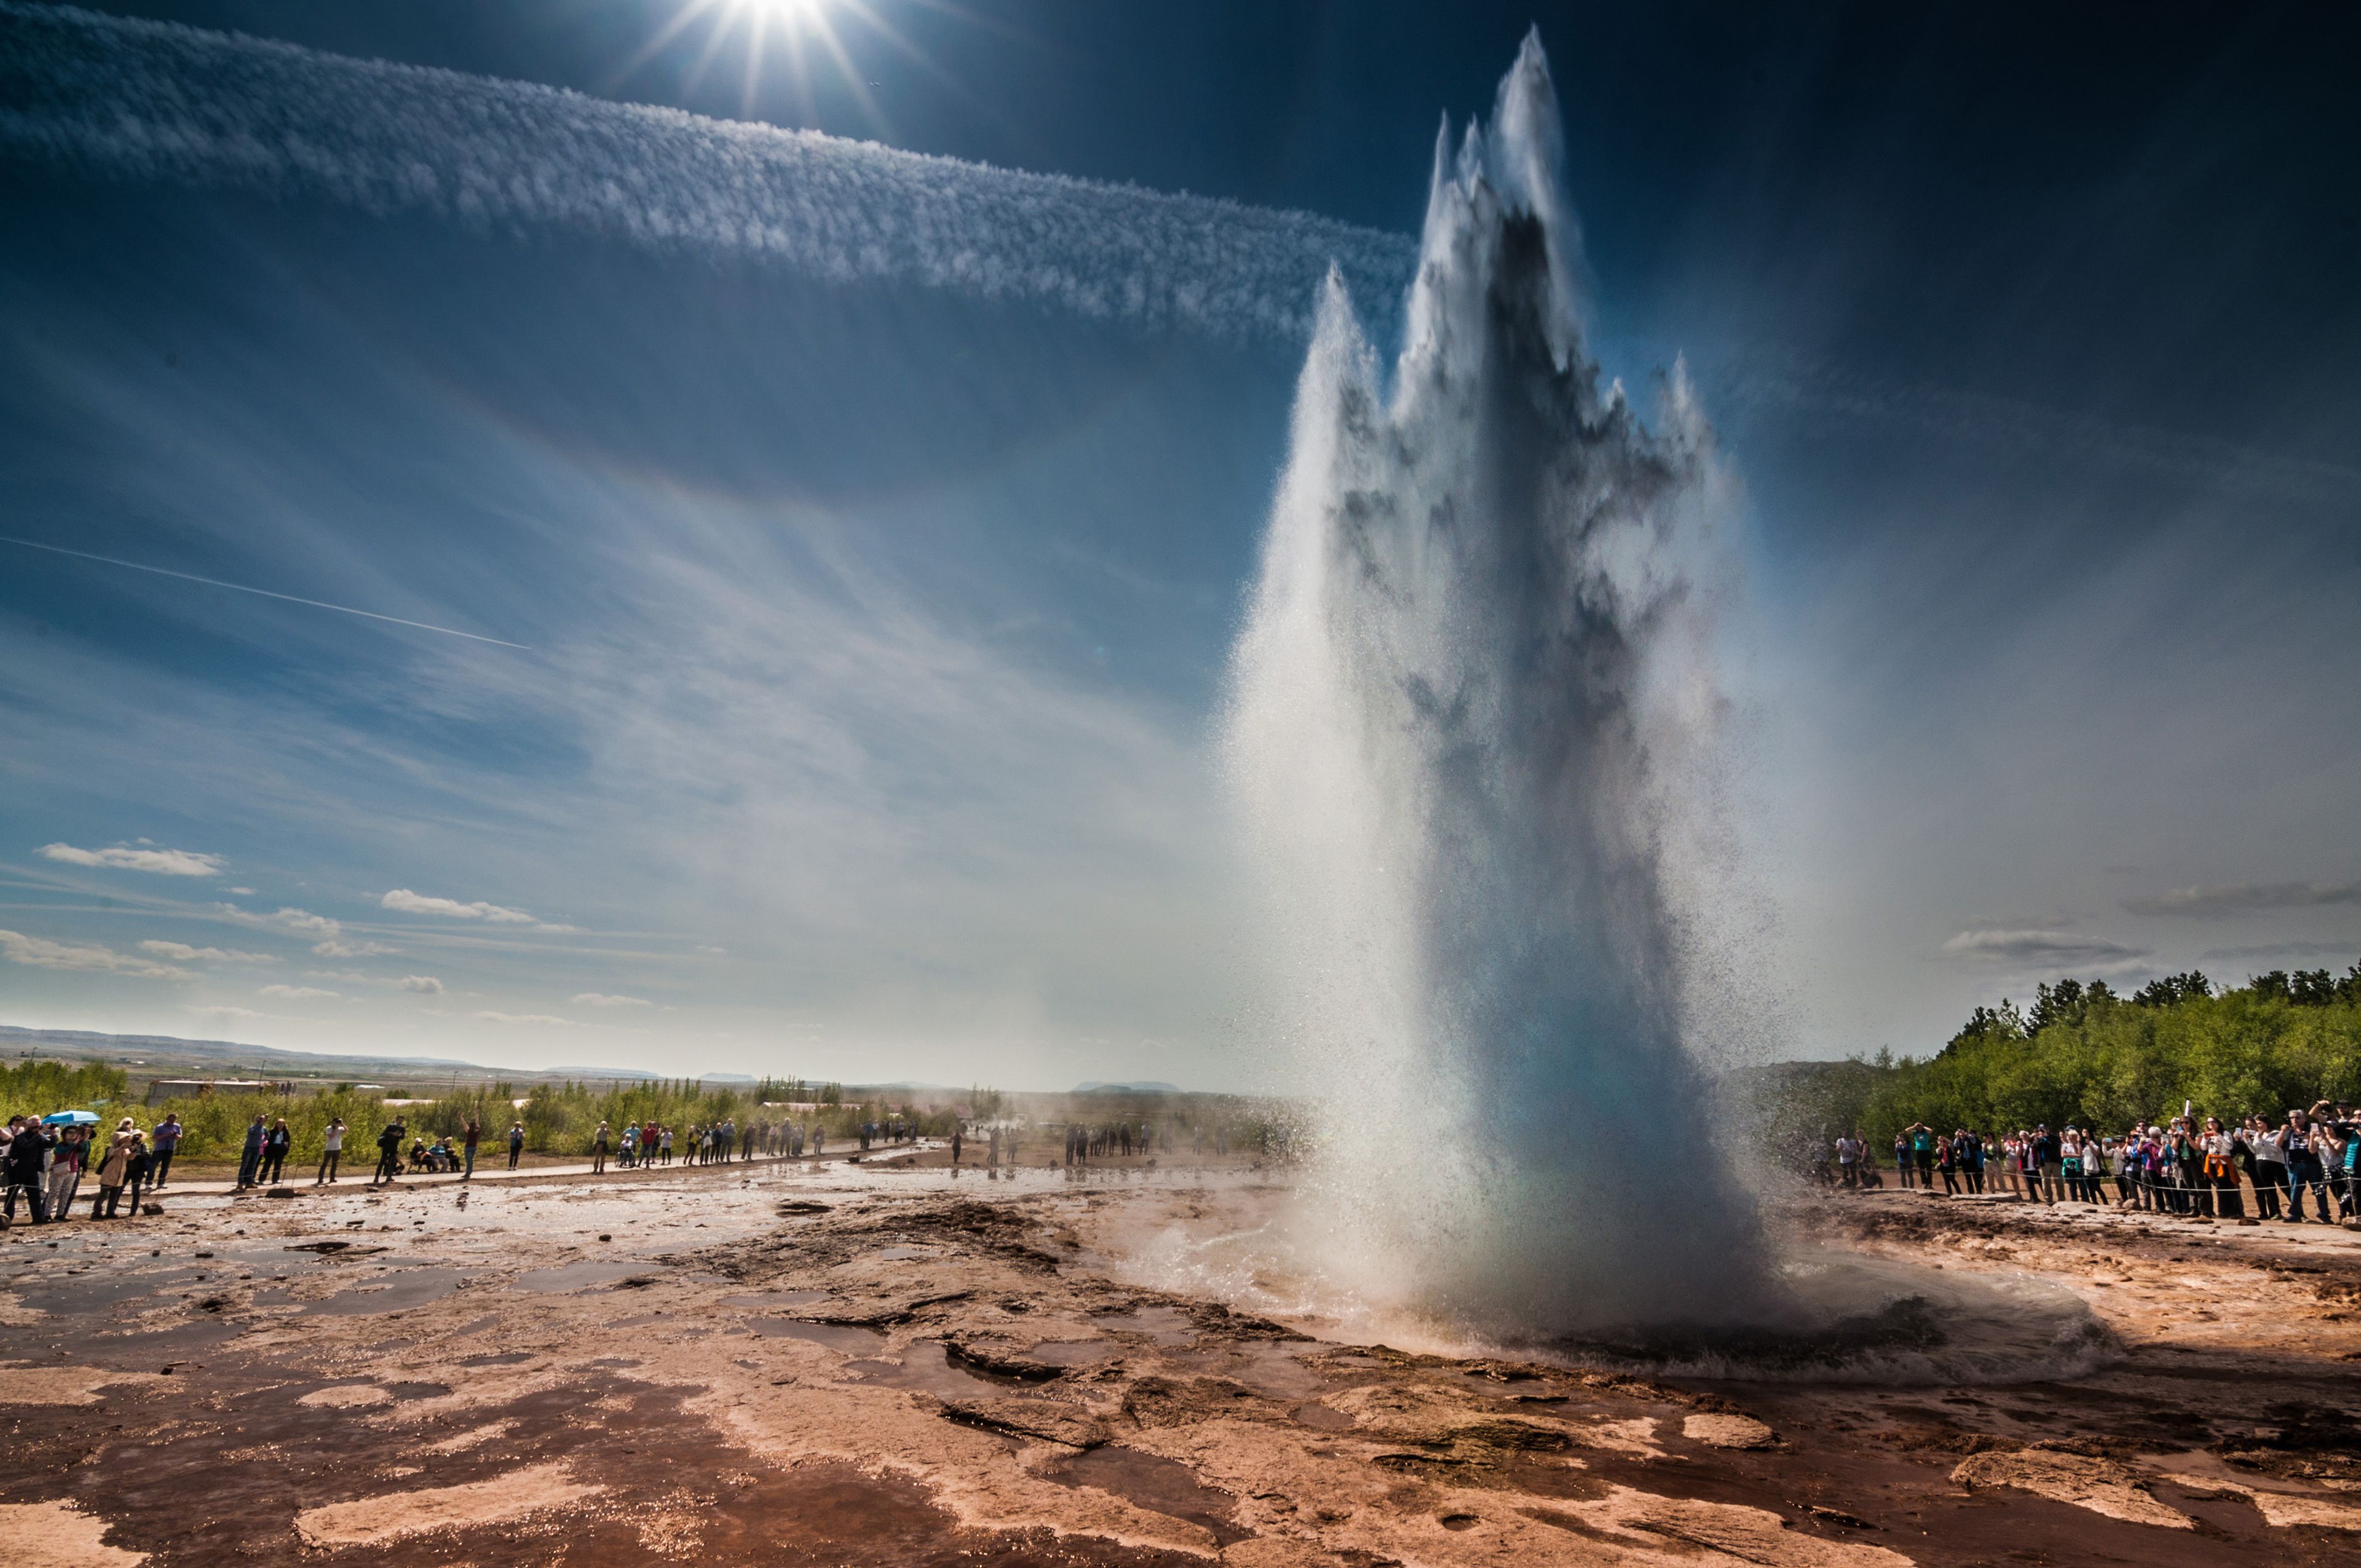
(45, 1161)
(2188, 1164)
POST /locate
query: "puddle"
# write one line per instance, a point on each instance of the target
(572, 1276)
(846, 1339)
(412, 1287)
(770, 1300)
(902, 1253)
(923, 1367)
(1152, 1482)
(509, 1359)
(1164, 1325)
(1263, 1365)
(1071, 1352)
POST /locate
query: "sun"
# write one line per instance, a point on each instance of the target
(753, 35)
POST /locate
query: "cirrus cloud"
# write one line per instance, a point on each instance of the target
(187, 954)
(410, 903)
(303, 992)
(425, 984)
(2041, 948)
(351, 950)
(125, 858)
(594, 999)
(520, 1018)
(302, 922)
(2243, 897)
(85, 957)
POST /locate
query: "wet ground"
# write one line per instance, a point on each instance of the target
(853, 1366)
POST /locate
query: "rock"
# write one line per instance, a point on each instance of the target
(280, 1192)
(1049, 1419)
(2100, 1485)
(1720, 1430)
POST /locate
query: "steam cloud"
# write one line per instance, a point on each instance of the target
(146, 100)
(1471, 708)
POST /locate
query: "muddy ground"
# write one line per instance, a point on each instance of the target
(802, 1365)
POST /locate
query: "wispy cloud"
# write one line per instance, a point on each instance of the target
(2041, 948)
(410, 903)
(163, 863)
(89, 957)
(298, 922)
(336, 949)
(187, 954)
(594, 999)
(295, 991)
(2291, 951)
(425, 984)
(520, 1018)
(2246, 897)
(150, 100)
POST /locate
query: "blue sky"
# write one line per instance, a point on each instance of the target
(871, 631)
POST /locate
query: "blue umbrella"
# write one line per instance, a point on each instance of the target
(70, 1119)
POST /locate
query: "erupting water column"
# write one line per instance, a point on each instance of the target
(1470, 721)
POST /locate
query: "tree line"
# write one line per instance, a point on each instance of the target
(2085, 1055)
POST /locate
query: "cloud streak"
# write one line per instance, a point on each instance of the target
(2040, 947)
(87, 958)
(142, 100)
(187, 954)
(2244, 897)
(163, 863)
(410, 903)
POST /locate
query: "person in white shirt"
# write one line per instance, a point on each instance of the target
(332, 1151)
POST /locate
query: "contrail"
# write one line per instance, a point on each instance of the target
(266, 593)
(143, 100)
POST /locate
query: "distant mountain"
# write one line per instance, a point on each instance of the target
(161, 1055)
(1094, 1087)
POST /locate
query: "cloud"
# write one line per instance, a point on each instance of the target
(243, 892)
(163, 863)
(351, 950)
(218, 1011)
(187, 954)
(2243, 897)
(593, 999)
(520, 1018)
(347, 976)
(2290, 951)
(300, 922)
(294, 990)
(411, 903)
(425, 984)
(143, 100)
(2041, 950)
(87, 958)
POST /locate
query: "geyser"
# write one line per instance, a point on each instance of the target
(1471, 720)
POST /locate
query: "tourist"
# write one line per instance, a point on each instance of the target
(2303, 1167)
(276, 1142)
(1848, 1160)
(112, 1171)
(2270, 1167)
(598, 1149)
(26, 1162)
(65, 1169)
(388, 1152)
(166, 1142)
(1947, 1165)
(663, 1145)
(1973, 1162)
(2218, 1152)
(516, 1143)
(1902, 1162)
(250, 1158)
(136, 1170)
(470, 1135)
(332, 1151)
(2070, 1164)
